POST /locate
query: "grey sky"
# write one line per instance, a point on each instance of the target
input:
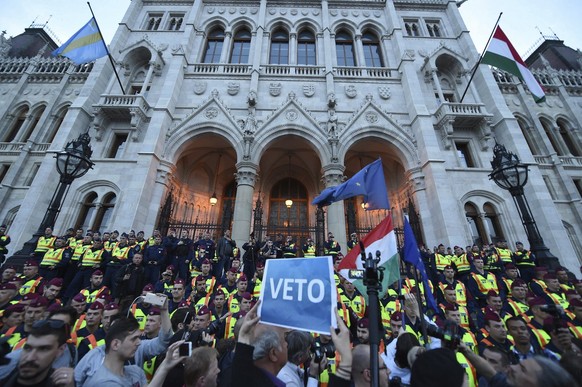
(519, 21)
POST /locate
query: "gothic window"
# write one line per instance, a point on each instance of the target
(548, 129)
(175, 22)
(372, 52)
(104, 213)
(493, 223)
(87, 211)
(58, 121)
(464, 154)
(478, 234)
(281, 217)
(214, 46)
(117, 145)
(279, 48)
(344, 46)
(528, 135)
(306, 53)
(412, 27)
(3, 171)
(434, 28)
(31, 175)
(33, 122)
(153, 21)
(241, 47)
(566, 135)
(16, 125)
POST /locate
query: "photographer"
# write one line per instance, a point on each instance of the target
(250, 255)
(398, 363)
(298, 353)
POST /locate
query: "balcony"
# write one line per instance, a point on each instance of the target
(462, 115)
(366, 72)
(120, 107)
(293, 70)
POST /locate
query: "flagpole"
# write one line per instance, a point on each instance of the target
(481, 57)
(107, 49)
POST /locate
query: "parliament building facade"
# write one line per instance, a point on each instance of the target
(258, 102)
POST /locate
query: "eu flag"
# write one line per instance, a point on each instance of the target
(85, 46)
(368, 182)
(412, 256)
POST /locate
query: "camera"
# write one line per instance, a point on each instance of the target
(449, 334)
(395, 382)
(554, 310)
(321, 350)
(213, 327)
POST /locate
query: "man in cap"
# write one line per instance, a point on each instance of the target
(205, 268)
(155, 255)
(95, 288)
(166, 283)
(236, 297)
(362, 332)
(453, 314)
(517, 305)
(8, 272)
(92, 333)
(525, 261)
(395, 325)
(537, 284)
(289, 249)
(33, 312)
(331, 247)
(450, 299)
(458, 286)
(494, 304)
(536, 323)
(32, 280)
(510, 275)
(257, 280)
(309, 248)
(553, 292)
(562, 275)
(480, 282)
(12, 316)
(153, 324)
(496, 334)
(93, 259)
(55, 260)
(8, 292)
(121, 254)
(178, 295)
(198, 294)
(45, 243)
(75, 267)
(229, 282)
(218, 306)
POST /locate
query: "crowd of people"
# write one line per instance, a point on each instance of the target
(123, 309)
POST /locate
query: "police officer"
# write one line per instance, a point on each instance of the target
(331, 246)
(288, 248)
(4, 241)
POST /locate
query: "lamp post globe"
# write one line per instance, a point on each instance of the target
(511, 175)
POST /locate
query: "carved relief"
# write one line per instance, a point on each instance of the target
(275, 89)
(384, 92)
(309, 90)
(199, 87)
(211, 113)
(351, 91)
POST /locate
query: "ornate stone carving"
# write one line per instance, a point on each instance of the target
(246, 178)
(291, 115)
(371, 117)
(211, 113)
(384, 92)
(250, 125)
(275, 89)
(200, 87)
(351, 91)
(309, 90)
(252, 98)
(233, 88)
(331, 101)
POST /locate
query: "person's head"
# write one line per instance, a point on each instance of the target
(94, 315)
(123, 338)
(270, 352)
(242, 283)
(405, 343)
(79, 302)
(35, 311)
(452, 313)
(8, 273)
(122, 240)
(539, 372)
(30, 269)
(245, 302)
(562, 275)
(201, 368)
(494, 301)
(395, 323)
(511, 271)
(219, 299)
(137, 259)
(48, 231)
(449, 273)
(478, 262)
(13, 316)
(495, 327)
(200, 284)
(231, 275)
(7, 292)
(153, 323)
(260, 269)
(535, 305)
(298, 346)
(437, 367)
(45, 343)
(178, 290)
(361, 367)
(517, 328)
(111, 311)
(363, 331)
(53, 288)
(576, 308)
(519, 290)
(450, 295)
(552, 282)
(66, 314)
(496, 358)
(227, 233)
(349, 287)
(235, 261)
(60, 242)
(202, 319)
(205, 267)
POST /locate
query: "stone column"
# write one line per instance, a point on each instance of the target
(361, 58)
(225, 47)
(333, 174)
(293, 48)
(148, 78)
(246, 177)
(437, 85)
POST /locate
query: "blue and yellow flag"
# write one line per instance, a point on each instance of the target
(85, 46)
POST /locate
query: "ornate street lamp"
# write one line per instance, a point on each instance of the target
(511, 175)
(72, 162)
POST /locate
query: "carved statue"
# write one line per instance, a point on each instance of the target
(331, 102)
(252, 98)
(332, 124)
(250, 125)
(5, 45)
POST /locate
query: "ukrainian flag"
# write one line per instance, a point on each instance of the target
(85, 46)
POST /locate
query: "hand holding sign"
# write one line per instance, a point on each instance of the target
(299, 294)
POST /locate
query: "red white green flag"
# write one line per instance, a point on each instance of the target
(383, 239)
(501, 54)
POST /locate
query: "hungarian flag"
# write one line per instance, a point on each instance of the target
(501, 54)
(383, 239)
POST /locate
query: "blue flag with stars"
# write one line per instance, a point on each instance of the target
(368, 182)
